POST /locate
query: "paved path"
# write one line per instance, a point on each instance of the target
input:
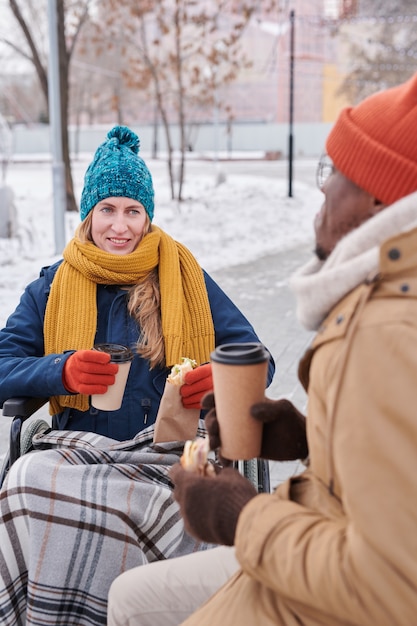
(261, 292)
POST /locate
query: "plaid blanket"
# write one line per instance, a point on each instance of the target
(77, 512)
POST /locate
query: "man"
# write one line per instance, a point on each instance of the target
(336, 546)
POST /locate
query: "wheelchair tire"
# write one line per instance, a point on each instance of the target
(35, 427)
(257, 472)
(4, 468)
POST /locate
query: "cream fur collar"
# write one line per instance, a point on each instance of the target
(319, 285)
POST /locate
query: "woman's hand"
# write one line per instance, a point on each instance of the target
(197, 384)
(89, 372)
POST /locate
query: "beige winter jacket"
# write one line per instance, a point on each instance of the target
(338, 545)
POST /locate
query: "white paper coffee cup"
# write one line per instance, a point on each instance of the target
(113, 398)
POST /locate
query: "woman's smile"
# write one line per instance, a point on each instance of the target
(118, 224)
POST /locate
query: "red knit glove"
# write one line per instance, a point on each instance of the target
(197, 383)
(210, 506)
(89, 372)
(284, 432)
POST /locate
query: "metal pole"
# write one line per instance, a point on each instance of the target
(55, 123)
(216, 134)
(291, 115)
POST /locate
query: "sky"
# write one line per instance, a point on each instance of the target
(242, 219)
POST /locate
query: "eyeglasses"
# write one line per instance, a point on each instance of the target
(325, 168)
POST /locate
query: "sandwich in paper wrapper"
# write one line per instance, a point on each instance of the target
(195, 457)
(176, 377)
(174, 422)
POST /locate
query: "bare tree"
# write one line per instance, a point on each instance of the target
(176, 56)
(181, 53)
(381, 40)
(71, 18)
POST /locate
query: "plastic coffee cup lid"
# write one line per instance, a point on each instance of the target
(248, 353)
(118, 352)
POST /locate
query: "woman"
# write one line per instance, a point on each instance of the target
(95, 500)
(122, 280)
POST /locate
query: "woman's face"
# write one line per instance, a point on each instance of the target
(118, 224)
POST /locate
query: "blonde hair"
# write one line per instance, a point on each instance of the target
(143, 305)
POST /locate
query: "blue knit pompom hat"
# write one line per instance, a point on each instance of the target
(117, 171)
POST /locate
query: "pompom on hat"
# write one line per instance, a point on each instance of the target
(117, 171)
(374, 144)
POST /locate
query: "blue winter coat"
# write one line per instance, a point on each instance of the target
(25, 371)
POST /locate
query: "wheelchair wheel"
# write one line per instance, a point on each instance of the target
(4, 468)
(37, 426)
(257, 472)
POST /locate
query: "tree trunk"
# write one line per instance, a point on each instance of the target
(71, 204)
(181, 114)
(64, 90)
(165, 124)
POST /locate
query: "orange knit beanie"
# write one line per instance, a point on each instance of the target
(374, 144)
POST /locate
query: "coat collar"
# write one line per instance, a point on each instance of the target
(319, 286)
(397, 277)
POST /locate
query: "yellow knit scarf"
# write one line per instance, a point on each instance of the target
(71, 312)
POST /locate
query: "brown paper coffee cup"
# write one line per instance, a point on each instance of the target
(113, 398)
(239, 381)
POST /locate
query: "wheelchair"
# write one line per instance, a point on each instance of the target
(20, 441)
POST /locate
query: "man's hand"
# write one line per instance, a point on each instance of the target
(210, 506)
(284, 435)
(89, 372)
(211, 422)
(284, 429)
(197, 383)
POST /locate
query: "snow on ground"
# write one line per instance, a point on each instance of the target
(244, 218)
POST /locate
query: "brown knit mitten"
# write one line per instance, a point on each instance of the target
(284, 432)
(210, 421)
(212, 427)
(284, 435)
(210, 506)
